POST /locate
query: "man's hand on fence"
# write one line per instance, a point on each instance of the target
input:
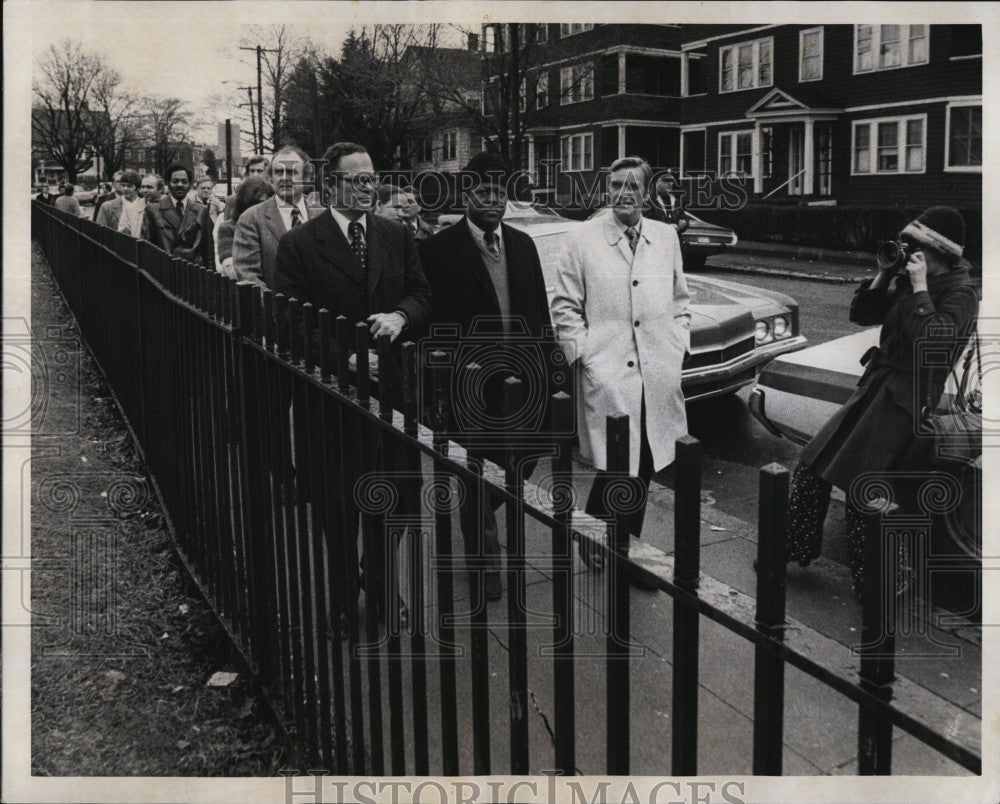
(393, 323)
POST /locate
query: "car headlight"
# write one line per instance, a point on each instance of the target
(762, 331)
(780, 326)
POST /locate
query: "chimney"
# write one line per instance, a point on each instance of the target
(473, 42)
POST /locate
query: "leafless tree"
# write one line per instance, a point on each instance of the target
(61, 119)
(116, 125)
(282, 48)
(166, 121)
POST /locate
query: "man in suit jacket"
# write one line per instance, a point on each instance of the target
(486, 280)
(363, 267)
(409, 214)
(621, 304)
(179, 225)
(255, 242)
(110, 213)
(111, 192)
(44, 195)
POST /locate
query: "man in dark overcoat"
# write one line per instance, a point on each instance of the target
(488, 289)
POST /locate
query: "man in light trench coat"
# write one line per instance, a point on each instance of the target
(620, 308)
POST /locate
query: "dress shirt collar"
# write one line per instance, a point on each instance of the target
(343, 222)
(479, 235)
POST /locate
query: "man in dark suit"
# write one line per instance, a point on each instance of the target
(180, 225)
(44, 195)
(363, 267)
(255, 242)
(486, 280)
(409, 214)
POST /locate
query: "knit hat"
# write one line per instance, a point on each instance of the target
(941, 228)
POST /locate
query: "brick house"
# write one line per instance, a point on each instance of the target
(873, 114)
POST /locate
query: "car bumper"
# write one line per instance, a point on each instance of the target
(757, 404)
(704, 382)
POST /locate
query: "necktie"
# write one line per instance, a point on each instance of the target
(180, 208)
(357, 233)
(296, 217)
(492, 243)
(633, 238)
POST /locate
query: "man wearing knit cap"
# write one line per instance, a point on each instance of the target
(929, 303)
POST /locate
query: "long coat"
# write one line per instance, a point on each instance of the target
(625, 317)
(255, 241)
(110, 213)
(464, 297)
(189, 237)
(875, 429)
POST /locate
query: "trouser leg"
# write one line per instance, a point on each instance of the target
(808, 503)
(477, 514)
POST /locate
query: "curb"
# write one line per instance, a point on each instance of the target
(833, 279)
(803, 253)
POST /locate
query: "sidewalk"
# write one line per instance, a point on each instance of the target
(799, 262)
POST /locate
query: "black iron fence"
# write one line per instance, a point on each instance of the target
(267, 449)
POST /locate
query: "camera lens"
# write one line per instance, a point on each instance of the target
(891, 255)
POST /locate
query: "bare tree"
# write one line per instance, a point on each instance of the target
(116, 124)
(281, 49)
(61, 118)
(167, 121)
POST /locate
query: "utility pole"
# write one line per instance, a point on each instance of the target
(229, 157)
(253, 124)
(260, 93)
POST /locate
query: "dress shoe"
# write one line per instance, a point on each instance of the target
(493, 585)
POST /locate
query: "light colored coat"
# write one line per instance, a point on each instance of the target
(626, 319)
(110, 213)
(255, 242)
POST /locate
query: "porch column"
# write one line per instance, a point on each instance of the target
(685, 60)
(621, 73)
(621, 142)
(808, 158)
(530, 167)
(758, 161)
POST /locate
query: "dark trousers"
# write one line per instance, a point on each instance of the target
(477, 514)
(605, 494)
(808, 503)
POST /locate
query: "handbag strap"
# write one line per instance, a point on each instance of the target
(960, 401)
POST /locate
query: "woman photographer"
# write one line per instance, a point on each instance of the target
(930, 298)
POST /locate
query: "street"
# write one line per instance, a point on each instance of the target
(735, 444)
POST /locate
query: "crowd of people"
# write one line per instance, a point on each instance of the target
(620, 308)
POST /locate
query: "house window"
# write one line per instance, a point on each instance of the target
(890, 145)
(489, 38)
(425, 149)
(128, 153)
(542, 91)
(747, 65)
(449, 149)
(964, 125)
(736, 152)
(886, 47)
(536, 85)
(540, 33)
(811, 54)
(578, 152)
(576, 84)
(824, 160)
(574, 28)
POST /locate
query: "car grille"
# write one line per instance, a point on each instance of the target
(714, 357)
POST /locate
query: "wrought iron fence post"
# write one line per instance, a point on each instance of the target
(769, 667)
(618, 601)
(687, 570)
(878, 647)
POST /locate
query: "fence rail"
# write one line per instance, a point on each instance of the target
(268, 451)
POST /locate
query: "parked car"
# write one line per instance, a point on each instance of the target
(735, 329)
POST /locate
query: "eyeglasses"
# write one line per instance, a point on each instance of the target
(366, 179)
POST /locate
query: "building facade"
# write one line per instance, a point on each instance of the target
(846, 114)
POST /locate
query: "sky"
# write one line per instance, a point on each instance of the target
(188, 50)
